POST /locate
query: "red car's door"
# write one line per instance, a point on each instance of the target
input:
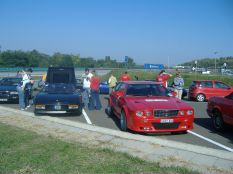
(222, 89)
(206, 88)
(116, 96)
(227, 108)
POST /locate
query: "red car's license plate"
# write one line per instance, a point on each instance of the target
(166, 121)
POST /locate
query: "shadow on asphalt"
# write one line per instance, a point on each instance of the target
(207, 123)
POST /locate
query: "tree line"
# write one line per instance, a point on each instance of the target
(34, 58)
(210, 63)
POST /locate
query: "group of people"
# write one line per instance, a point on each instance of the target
(24, 88)
(177, 84)
(90, 94)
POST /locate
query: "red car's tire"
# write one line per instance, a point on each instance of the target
(123, 122)
(218, 120)
(200, 98)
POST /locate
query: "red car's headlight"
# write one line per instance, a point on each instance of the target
(143, 113)
(190, 112)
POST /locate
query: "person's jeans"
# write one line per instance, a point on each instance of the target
(95, 101)
(26, 96)
(85, 96)
(21, 97)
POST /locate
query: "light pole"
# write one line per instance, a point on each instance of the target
(215, 61)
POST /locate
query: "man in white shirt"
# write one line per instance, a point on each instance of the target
(20, 89)
(86, 87)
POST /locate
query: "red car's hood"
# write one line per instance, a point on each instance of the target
(150, 103)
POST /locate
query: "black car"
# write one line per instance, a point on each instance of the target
(60, 93)
(8, 91)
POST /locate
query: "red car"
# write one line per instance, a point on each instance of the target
(220, 110)
(202, 90)
(146, 106)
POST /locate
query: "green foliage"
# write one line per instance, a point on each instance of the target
(210, 62)
(35, 59)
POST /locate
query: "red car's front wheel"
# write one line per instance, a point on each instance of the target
(123, 123)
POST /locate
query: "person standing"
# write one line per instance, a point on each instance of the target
(125, 77)
(163, 77)
(20, 89)
(178, 85)
(95, 98)
(28, 89)
(86, 87)
(112, 82)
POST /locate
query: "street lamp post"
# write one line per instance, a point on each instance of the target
(215, 61)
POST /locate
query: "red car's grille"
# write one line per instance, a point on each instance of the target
(165, 125)
(166, 113)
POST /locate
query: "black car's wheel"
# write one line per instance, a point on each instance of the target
(218, 120)
(123, 124)
(79, 112)
(200, 97)
(36, 113)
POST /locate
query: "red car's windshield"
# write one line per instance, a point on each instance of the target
(147, 90)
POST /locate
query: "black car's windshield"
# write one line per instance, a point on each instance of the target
(59, 88)
(147, 90)
(10, 81)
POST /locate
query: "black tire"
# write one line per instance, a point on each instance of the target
(200, 98)
(218, 121)
(123, 124)
(36, 113)
(109, 111)
(80, 111)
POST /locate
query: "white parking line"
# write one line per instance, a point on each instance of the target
(211, 141)
(86, 117)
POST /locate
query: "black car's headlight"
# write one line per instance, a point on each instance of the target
(13, 92)
(40, 106)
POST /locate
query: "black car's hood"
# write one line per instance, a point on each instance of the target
(45, 98)
(61, 75)
(8, 88)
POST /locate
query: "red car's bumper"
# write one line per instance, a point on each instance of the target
(172, 124)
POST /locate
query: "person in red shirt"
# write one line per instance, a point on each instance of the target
(163, 77)
(125, 77)
(95, 98)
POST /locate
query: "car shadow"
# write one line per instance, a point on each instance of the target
(207, 123)
(58, 114)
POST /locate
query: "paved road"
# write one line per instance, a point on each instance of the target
(202, 126)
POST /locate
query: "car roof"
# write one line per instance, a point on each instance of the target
(11, 77)
(207, 81)
(141, 82)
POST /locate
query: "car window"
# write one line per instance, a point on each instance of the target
(10, 81)
(230, 96)
(221, 85)
(59, 88)
(120, 87)
(147, 90)
(193, 83)
(206, 84)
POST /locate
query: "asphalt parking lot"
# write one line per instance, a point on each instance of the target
(203, 133)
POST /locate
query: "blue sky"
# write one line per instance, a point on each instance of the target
(149, 31)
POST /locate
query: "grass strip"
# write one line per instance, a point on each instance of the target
(23, 151)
